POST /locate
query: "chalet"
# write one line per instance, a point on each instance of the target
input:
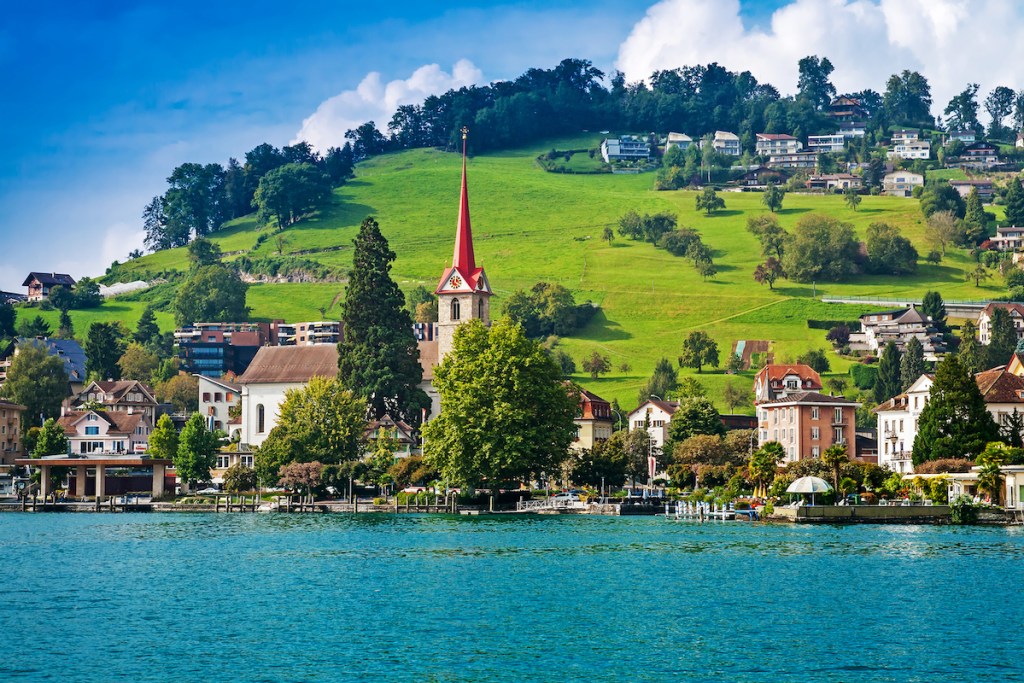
(835, 181)
(1008, 238)
(806, 423)
(979, 155)
(910, 149)
(898, 326)
(901, 183)
(794, 160)
(127, 395)
(768, 144)
(826, 143)
(761, 176)
(40, 284)
(777, 381)
(964, 187)
(625, 148)
(102, 431)
(680, 140)
(727, 143)
(846, 109)
(1016, 312)
(403, 435)
(593, 421)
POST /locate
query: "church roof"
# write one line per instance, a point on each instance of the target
(463, 275)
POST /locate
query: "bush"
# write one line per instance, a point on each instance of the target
(944, 466)
(853, 325)
(380, 501)
(963, 510)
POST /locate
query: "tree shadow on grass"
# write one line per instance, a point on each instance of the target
(796, 291)
(724, 212)
(793, 211)
(600, 328)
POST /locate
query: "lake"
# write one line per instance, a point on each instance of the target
(161, 597)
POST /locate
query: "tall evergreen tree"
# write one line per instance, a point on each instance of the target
(378, 358)
(103, 348)
(954, 422)
(1015, 203)
(970, 351)
(66, 328)
(974, 220)
(1002, 341)
(935, 308)
(888, 382)
(8, 318)
(147, 332)
(912, 364)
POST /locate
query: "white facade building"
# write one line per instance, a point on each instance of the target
(912, 149)
(654, 416)
(897, 425)
(216, 397)
(826, 143)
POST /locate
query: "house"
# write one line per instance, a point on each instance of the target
(274, 371)
(904, 135)
(794, 160)
(727, 143)
(1020, 140)
(625, 148)
(898, 326)
(807, 422)
(897, 424)
(403, 435)
(12, 297)
(680, 140)
(852, 129)
(911, 149)
(768, 144)
(40, 284)
(760, 177)
(846, 109)
(1003, 392)
(216, 399)
(68, 350)
(654, 415)
(1008, 238)
(12, 419)
(126, 396)
(826, 143)
(965, 136)
(102, 431)
(979, 155)
(901, 183)
(964, 187)
(316, 332)
(1016, 312)
(216, 349)
(778, 381)
(835, 181)
(593, 421)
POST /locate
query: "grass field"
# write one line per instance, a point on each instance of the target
(530, 225)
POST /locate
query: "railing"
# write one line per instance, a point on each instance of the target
(902, 455)
(544, 504)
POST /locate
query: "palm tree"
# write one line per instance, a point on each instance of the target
(835, 456)
(990, 480)
(764, 463)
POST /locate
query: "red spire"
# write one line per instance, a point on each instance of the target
(463, 258)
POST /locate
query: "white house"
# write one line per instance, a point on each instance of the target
(901, 183)
(274, 371)
(897, 424)
(625, 148)
(826, 143)
(680, 140)
(654, 416)
(776, 143)
(1016, 313)
(216, 398)
(725, 142)
(905, 135)
(911, 149)
(1008, 238)
(103, 431)
(965, 136)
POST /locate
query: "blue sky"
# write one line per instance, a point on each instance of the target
(102, 102)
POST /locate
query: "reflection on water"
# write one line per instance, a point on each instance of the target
(442, 598)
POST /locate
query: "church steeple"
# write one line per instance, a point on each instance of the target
(463, 259)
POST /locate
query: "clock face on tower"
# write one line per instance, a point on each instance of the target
(455, 282)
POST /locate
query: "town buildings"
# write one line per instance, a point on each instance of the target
(806, 423)
(964, 187)
(979, 155)
(122, 396)
(897, 424)
(217, 399)
(654, 416)
(794, 160)
(216, 349)
(768, 144)
(680, 140)
(778, 381)
(726, 143)
(910, 149)
(403, 435)
(1008, 238)
(625, 148)
(68, 350)
(826, 143)
(593, 421)
(306, 333)
(835, 181)
(11, 420)
(40, 284)
(103, 431)
(898, 326)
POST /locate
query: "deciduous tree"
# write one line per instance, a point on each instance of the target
(37, 381)
(709, 202)
(596, 364)
(197, 452)
(773, 196)
(163, 440)
(51, 440)
(698, 350)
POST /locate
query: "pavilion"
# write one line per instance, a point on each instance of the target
(99, 462)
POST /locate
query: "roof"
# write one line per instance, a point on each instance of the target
(779, 372)
(811, 397)
(291, 364)
(774, 136)
(977, 183)
(590, 396)
(119, 388)
(463, 275)
(428, 357)
(230, 386)
(9, 405)
(726, 135)
(49, 279)
(999, 386)
(1009, 307)
(68, 350)
(120, 422)
(669, 407)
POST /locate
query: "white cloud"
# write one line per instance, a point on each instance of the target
(373, 100)
(952, 42)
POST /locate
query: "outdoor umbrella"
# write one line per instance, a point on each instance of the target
(809, 485)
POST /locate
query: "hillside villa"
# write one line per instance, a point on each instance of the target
(898, 326)
(901, 183)
(778, 381)
(1016, 312)
(40, 284)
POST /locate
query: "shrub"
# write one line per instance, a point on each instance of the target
(944, 465)
(963, 510)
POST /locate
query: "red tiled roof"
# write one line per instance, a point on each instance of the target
(804, 372)
(811, 397)
(291, 364)
(119, 421)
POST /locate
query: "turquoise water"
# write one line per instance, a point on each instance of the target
(113, 597)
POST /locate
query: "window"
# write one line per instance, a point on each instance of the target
(218, 397)
(260, 417)
(815, 433)
(222, 462)
(455, 309)
(92, 431)
(247, 460)
(814, 412)
(815, 452)
(91, 417)
(838, 415)
(915, 402)
(480, 309)
(837, 435)
(901, 424)
(206, 397)
(658, 423)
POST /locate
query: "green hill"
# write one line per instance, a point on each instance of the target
(530, 225)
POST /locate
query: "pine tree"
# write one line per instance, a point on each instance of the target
(147, 332)
(378, 358)
(66, 328)
(887, 382)
(974, 220)
(1015, 203)
(912, 364)
(1002, 339)
(935, 308)
(970, 350)
(954, 422)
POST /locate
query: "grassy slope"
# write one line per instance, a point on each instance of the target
(530, 226)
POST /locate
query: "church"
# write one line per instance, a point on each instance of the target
(463, 293)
